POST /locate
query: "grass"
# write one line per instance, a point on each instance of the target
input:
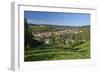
(83, 52)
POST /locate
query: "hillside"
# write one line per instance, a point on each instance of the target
(56, 42)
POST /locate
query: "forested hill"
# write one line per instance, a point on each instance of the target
(60, 26)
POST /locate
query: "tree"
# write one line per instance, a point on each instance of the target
(26, 32)
(29, 41)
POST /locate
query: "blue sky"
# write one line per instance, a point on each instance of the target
(57, 18)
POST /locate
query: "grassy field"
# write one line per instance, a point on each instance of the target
(49, 53)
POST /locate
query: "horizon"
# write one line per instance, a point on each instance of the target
(59, 25)
(57, 18)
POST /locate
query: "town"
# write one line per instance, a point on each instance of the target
(47, 35)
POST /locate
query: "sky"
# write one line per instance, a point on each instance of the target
(57, 18)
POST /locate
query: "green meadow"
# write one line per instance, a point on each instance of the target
(50, 53)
